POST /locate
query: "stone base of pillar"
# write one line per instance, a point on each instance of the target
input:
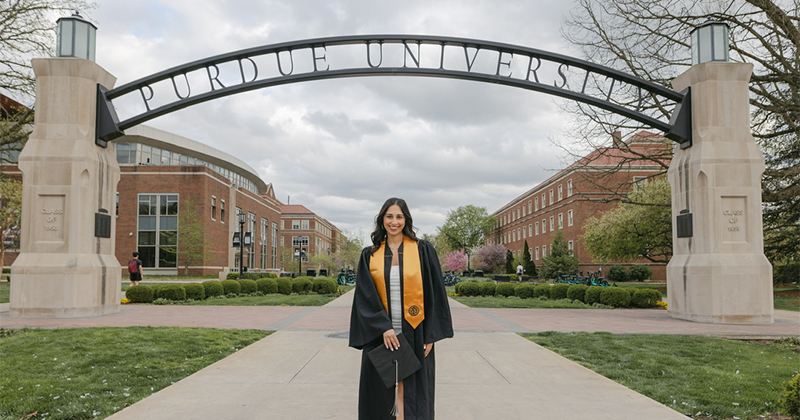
(720, 288)
(65, 286)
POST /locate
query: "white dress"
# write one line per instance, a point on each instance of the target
(396, 304)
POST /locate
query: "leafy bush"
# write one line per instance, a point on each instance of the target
(512, 277)
(541, 290)
(231, 286)
(470, 289)
(617, 273)
(302, 285)
(615, 296)
(213, 288)
(324, 286)
(171, 292)
(645, 298)
(593, 295)
(140, 294)
(194, 291)
(558, 291)
(577, 292)
(248, 286)
(790, 402)
(284, 285)
(488, 288)
(504, 289)
(640, 272)
(267, 286)
(786, 274)
(233, 275)
(630, 290)
(524, 290)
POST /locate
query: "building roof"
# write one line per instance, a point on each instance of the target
(294, 209)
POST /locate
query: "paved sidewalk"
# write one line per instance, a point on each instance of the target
(306, 371)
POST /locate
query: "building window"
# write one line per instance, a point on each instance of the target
(552, 223)
(157, 238)
(530, 230)
(569, 218)
(536, 203)
(275, 245)
(537, 227)
(561, 220)
(544, 251)
(513, 235)
(571, 246)
(222, 211)
(251, 252)
(544, 203)
(551, 196)
(530, 207)
(544, 225)
(569, 188)
(213, 208)
(295, 225)
(519, 234)
(263, 241)
(282, 227)
(304, 225)
(117, 206)
(524, 232)
(537, 253)
(560, 193)
(301, 242)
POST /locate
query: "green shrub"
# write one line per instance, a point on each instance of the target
(645, 298)
(786, 274)
(213, 288)
(593, 295)
(617, 273)
(512, 277)
(541, 290)
(615, 296)
(457, 288)
(504, 289)
(790, 402)
(267, 286)
(171, 292)
(140, 294)
(248, 286)
(488, 288)
(630, 290)
(231, 287)
(559, 291)
(470, 289)
(194, 291)
(233, 275)
(640, 272)
(324, 286)
(524, 290)
(302, 285)
(577, 292)
(284, 285)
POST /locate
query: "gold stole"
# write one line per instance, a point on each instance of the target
(413, 303)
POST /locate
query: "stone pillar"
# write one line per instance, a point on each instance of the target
(720, 273)
(63, 270)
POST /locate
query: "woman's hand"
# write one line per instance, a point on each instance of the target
(428, 348)
(390, 340)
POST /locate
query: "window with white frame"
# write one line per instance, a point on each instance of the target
(551, 196)
(544, 225)
(544, 251)
(530, 230)
(561, 220)
(524, 232)
(569, 217)
(569, 188)
(544, 203)
(530, 207)
(213, 208)
(304, 225)
(537, 227)
(537, 253)
(295, 225)
(536, 204)
(552, 223)
(570, 246)
(222, 211)
(560, 193)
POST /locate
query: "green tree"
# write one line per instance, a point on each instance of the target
(641, 227)
(15, 127)
(323, 262)
(10, 209)
(466, 228)
(528, 264)
(509, 262)
(560, 259)
(347, 250)
(191, 236)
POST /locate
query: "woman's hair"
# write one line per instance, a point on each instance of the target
(379, 234)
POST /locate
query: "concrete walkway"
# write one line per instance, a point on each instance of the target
(306, 371)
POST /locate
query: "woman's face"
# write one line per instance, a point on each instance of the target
(394, 221)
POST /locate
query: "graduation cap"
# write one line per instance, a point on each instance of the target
(394, 366)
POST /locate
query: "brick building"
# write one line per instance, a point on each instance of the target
(302, 228)
(585, 189)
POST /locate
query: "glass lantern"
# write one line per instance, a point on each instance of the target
(710, 42)
(76, 37)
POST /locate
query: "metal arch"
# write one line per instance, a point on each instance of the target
(109, 127)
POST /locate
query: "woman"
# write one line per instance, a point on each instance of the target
(399, 290)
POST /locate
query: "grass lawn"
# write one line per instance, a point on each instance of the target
(702, 376)
(91, 373)
(268, 300)
(515, 302)
(5, 290)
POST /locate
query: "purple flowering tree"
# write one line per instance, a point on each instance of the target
(455, 260)
(490, 258)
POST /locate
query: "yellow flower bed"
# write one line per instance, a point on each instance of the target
(662, 304)
(125, 300)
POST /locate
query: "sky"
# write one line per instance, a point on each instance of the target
(341, 147)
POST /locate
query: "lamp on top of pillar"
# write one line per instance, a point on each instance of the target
(710, 42)
(76, 37)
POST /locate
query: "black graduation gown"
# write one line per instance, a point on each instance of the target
(369, 320)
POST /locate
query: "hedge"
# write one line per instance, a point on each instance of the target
(171, 292)
(524, 290)
(487, 288)
(559, 291)
(194, 291)
(617, 273)
(231, 286)
(577, 292)
(640, 272)
(593, 295)
(213, 288)
(140, 294)
(615, 296)
(324, 286)
(284, 285)
(645, 298)
(248, 286)
(302, 285)
(505, 289)
(470, 289)
(267, 285)
(541, 290)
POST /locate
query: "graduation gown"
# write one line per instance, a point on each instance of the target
(369, 320)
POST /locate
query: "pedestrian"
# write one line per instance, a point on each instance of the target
(400, 293)
(520, 271)
(135, 269)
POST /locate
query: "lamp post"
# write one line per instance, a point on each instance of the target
(241, 217)
(76, 37)
(710, 42)
(299, 252)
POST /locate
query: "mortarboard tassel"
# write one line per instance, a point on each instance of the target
(395, 408)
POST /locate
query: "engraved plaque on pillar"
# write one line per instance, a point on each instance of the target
(50, 227)
(733, 220)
